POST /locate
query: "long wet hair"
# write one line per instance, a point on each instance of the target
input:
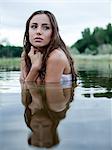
(56, 42)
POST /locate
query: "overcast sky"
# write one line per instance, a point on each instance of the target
(73, 16)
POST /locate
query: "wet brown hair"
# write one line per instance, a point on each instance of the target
(56, 42)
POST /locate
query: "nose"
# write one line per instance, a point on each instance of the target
(39, 31)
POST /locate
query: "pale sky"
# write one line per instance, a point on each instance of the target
(73, 16)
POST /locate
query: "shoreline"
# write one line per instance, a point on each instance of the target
(13, 64)
(106, 57)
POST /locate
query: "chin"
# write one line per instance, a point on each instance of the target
(39, 45)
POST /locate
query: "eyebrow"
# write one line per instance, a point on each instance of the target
(42, 23)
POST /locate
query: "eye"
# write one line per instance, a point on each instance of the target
(46, 27)
(33, 26)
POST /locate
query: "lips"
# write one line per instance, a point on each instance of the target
(38, 39)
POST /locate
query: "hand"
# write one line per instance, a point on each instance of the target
(36, 58)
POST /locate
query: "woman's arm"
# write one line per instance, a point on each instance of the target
(32, 75)
(55, 67)
(36, 61)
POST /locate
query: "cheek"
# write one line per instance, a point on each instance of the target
(30, 36)
(49, 35)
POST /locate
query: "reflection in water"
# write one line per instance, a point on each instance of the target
(45, 106)
(94, 80)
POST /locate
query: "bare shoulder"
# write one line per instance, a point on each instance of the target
(57, 56)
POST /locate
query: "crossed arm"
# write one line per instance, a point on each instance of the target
(54, 69)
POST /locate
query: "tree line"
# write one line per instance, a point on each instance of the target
(10, 51)
(97, 42)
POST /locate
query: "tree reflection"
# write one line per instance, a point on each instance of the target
(94, 79)
(45, 106)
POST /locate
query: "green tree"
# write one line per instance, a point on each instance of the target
(90, 41)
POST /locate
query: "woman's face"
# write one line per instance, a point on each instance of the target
(40, 30)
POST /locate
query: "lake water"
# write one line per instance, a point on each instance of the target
(58, 117)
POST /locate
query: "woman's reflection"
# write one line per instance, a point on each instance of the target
(45, 106)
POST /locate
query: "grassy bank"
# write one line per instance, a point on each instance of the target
(92, 62)
(9, 64)
(92, 58)
(80, 61)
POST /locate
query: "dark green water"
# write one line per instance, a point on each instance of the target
(61, 117)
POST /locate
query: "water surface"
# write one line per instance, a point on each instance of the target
(61, 117)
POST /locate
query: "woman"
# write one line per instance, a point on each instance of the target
(45, 57)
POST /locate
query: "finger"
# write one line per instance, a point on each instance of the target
(31, 53)
(32, 49)
(39, 54)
